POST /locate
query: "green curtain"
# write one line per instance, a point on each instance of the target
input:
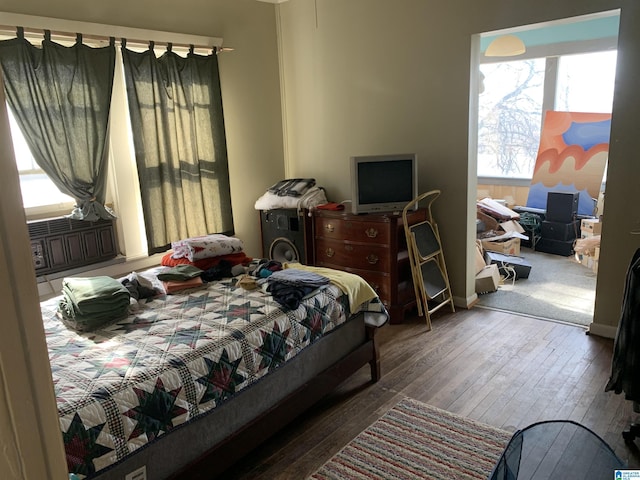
(176, 114)
(60, 97)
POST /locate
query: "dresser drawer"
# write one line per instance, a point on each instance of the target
(364, 257)
(354, 231)
(372, 246)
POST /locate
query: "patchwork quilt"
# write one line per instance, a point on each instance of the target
(175, 359)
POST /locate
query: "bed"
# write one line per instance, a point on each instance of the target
(187, 384)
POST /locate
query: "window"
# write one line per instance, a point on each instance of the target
(509, 120)
(579, 76)
(40, 196)
(37, 189)
(517, 92)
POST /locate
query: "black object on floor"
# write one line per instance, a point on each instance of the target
(555, 247)
(520, 266)
(557, 449)
(562, 206)
(560, 230)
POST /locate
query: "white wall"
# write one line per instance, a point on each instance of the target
(379, 76)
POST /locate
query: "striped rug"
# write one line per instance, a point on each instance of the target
(414, 440)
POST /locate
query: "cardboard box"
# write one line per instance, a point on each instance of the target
(507, 264)
(496, 209)
(588, 261)
(480, 264)
(591, 225)
(487, 222)
(509, 246)
(511, 226)
(488, 279)
(587, 243)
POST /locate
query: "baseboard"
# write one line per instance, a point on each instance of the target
(467, 302)
(606, 331)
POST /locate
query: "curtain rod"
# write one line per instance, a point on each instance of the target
(69, 36)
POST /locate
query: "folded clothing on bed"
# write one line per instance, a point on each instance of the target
(174, 286)
(298, 277)
(179, 273)
(206, 246)
(293, 187)
(360, 293)
(352, 285)
(139, 287)
(90, 302)
(289, 287)
(239, 258)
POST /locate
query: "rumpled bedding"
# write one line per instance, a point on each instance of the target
(289, 287)
(173, 360)
(358, 291)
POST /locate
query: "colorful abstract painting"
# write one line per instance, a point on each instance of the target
(572, 157)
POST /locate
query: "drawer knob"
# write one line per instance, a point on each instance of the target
(372, 259)
(330, 252)
(348, 248)
(329, 227)
(371, 232)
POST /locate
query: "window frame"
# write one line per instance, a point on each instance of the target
(37, 211)
(552, 54)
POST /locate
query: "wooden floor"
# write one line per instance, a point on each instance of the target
(499, 368)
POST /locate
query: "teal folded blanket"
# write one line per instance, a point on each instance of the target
(88, 303)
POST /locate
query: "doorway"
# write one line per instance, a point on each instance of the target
(567, 66)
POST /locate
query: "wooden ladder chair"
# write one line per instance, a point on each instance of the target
(428, 268)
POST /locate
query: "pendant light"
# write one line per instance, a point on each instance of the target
(505, 46)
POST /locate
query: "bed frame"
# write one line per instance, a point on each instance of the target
(233, 430)
(277, 417)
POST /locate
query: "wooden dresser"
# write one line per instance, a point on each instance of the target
(372, 246)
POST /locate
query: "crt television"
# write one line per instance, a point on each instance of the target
(383, 183)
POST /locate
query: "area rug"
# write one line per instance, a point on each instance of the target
(558, 288)
(414, 440)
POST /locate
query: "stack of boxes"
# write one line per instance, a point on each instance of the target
(497, 228)
(589, 229)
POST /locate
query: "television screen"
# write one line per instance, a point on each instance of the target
(383, 183)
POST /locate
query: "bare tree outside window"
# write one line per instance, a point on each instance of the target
(510, 115)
